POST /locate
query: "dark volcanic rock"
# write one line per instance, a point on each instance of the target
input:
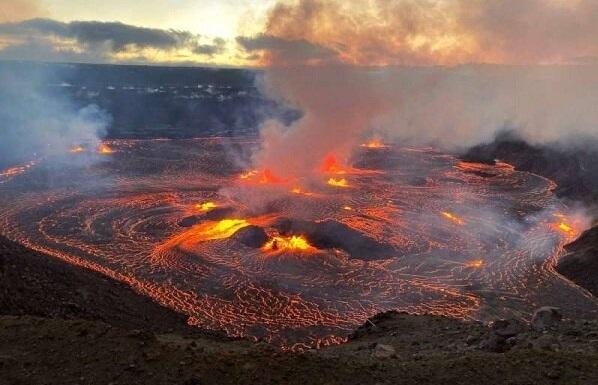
(573, 168)
(219, 213)
(331, 234)
(190, 221)
(36, 284)
(502, 335)
(580, 264)
(546, 317)
(251, 236)
(494, 343)
(507, 327)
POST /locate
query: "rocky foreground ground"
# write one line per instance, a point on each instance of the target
(63, 325)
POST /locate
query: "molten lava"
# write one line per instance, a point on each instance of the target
(565, 228)
(262, 177)
(292, 243)
(104, 149)
(248, 174)
(285, 292)
(475, 263)
(268, 177)
(330, 165)
(374, 143)
(206, 206)
(299, 191)
(77, 149)
(342, 182)
(221, 229)
(452, 217)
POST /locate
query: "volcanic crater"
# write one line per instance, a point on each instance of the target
(407, 229)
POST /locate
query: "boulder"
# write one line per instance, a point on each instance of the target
(546, 317)
(507, 327)
(494, 343)
(384, 351)
(547, 342)
(251, 236)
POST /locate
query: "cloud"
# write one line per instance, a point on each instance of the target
(287, 50)
(117, 36)
(95, 41)
(34, 49)
(216, 47)
(450, 106)
(431, 32)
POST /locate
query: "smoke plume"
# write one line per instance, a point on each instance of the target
(318, 52)
(37, 118)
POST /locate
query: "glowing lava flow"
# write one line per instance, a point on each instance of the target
(206, 206)
(476, 263)
(565, 225)
(330, 165)
(134, 218)
(11, 172)
(261, 177)
(269, 177)
(77, 149)
(104, 149)
(565, 228)
(248, 174)
(374, 143)
(292, 243)
(221, 229)
(341, 182)
(299, 191)
(452, 217)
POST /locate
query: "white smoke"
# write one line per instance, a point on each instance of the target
(37, 119)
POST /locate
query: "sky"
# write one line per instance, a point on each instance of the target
(261, 33)
(210, 18)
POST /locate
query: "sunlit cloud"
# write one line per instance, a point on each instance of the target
(314, 32)
(427, 32)
(93, 41)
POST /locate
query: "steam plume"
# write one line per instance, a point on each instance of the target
(37, 119)
(449, 107)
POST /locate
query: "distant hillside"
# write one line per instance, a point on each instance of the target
(573, 167)
(157, 102)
